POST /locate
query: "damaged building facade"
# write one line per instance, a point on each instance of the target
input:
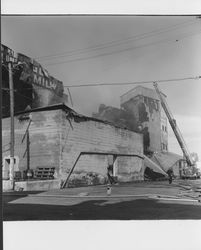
(146, 108)
(33, 86)
(52, 141)
(141, 112)
(57, 136)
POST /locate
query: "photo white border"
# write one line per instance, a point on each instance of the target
(123, 7)
(138, 235)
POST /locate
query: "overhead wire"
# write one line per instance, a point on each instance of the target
(133, 83)
(120, 51)
(115, 42)
(109, 84)
(71, 99)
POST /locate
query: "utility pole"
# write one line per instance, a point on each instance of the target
(28, 151)
(12, 133)
(1, 180)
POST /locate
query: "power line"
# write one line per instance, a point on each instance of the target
(123, 83)
(138, 37)
(115, 42)
(120, 51)
(132, 83)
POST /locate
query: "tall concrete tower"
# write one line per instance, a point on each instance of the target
(152, 122)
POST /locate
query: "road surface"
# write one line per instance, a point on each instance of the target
(134, 201)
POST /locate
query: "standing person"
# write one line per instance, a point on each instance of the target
(110, 167)
(170, 174)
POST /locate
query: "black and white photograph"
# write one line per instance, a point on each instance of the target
(101, 118)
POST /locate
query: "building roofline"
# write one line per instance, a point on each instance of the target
(139, 86)
(65, 108)
(45, 108)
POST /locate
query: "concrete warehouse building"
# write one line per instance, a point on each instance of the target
(52, 140)
(57, 136)
(141, 112)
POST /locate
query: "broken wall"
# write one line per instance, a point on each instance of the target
(119, 117)
(33, 86)
(147, 112)
(146, 108)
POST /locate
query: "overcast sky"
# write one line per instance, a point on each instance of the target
(100, 49)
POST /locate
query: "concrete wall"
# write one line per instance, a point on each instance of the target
(93, 136)
(44, 133)
(56, 141)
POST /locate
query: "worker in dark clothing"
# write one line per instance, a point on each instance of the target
(111, 179)
(110, 176)
(170, 174)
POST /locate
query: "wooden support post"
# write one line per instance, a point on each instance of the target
(115, 165)
(68, 177)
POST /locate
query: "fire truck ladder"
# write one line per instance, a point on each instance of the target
(174, 126)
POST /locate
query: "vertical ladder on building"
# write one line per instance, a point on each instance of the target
(174, 126)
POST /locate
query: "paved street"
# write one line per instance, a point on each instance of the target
(136, 201)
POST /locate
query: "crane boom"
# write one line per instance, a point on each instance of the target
(174, 126)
